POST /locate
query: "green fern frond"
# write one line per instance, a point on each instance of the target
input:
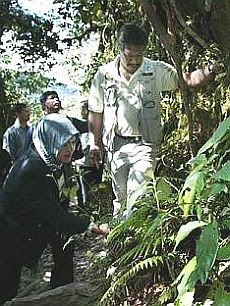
(127, 256)
(134, 223)
(122, 279)
(144, 245)
(149, 247)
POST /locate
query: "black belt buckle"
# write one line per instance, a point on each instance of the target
(137, 138)
(131, 139)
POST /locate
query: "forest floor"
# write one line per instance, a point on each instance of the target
(85, 247)
(88, 249)
(35, 282)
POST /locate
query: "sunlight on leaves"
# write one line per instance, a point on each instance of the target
(186, 229)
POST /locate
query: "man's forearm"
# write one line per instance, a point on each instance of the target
(199, 77)
(95, 123)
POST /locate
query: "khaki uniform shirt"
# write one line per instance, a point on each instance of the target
(122, 100)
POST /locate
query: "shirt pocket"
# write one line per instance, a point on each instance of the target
(147, 93)
(110, 94)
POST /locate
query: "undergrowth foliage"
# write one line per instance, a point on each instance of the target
(181, 239)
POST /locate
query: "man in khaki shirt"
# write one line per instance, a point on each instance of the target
(124, 109)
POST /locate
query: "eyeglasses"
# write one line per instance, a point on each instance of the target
(127, 54)
(52, 98)
(132, 55)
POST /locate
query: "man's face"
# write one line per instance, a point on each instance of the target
(131, 58)
(66, 152)
(24, 115)
(52, 104)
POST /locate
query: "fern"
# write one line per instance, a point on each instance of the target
(122, 279)
(142, 240)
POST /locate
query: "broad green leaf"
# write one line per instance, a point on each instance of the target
(223, 301)
(192, 189)
(223, 173)
(163, 190)
(205, 256)
(206, 251)
(217, 136)
(186, 229)
(217, 188)
(198, 161)
(224, 253)
(185, 286)
(188, 269)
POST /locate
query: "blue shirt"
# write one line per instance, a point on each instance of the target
(17, 139)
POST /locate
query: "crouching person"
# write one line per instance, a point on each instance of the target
(30, 211)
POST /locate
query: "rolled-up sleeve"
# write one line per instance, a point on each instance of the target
(9, 143)
(96, 95)
(167, 77)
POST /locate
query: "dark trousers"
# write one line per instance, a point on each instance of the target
(62, 272)
(18, 249)
(10, 273)
(88, 177)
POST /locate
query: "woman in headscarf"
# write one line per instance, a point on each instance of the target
(29, 201)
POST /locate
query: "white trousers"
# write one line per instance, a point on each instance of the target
(131, 166)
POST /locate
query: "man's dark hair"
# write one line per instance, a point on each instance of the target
(131, 34)
(46, 94)
(19, 107)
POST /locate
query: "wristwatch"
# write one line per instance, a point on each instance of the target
(211, 69)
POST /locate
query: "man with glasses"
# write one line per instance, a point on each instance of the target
(124, 105)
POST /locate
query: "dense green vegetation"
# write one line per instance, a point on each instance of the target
(179, 235)
(181, 239)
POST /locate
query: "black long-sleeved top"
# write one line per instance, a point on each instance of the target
(29, 199)
(80, 125)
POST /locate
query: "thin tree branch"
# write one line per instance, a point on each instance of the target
(150, 11)
(167, 41)
(188, 29)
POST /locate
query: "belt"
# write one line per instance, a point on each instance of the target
(131, 139)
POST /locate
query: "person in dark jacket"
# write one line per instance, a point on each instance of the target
(51, 104)
(30, 210)
(5, 164)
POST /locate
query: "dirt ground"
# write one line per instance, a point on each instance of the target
(37, 281)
